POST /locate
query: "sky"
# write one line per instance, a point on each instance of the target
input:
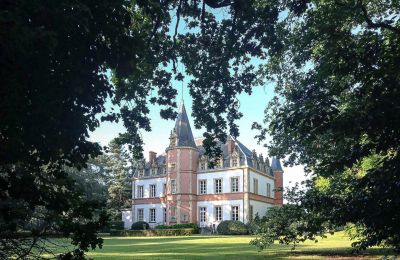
(252, 106)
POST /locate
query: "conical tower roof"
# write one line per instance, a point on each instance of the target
(183, 132)
(276, 164)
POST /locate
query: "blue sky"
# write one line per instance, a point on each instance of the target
(157, 140)
(252, 107)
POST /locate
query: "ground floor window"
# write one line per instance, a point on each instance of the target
(152, 215)
(218, 213)
(203, 212)
(235, 213)
(140, 214)
(251, 212)
(165, 215)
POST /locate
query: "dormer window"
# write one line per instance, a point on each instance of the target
(202, 166)
(234, 162)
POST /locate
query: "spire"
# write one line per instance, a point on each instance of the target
(182, 131)
(276, 164)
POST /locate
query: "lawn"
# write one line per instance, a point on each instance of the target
(224, 247)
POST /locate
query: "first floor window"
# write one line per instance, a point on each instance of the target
(173, 186)
(165, 189)
(235, 184)
(269, 190)
(140, 191)
(218, 186)
(152, 191)
(152, 215)
(203, 212)
(235, 213)
(218, 213)
(140, 214)
(203, 186)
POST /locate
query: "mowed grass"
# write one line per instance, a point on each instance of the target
(337, 246)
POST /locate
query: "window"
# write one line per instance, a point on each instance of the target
(140, 191)
(269, 190)
(164, 215)
(172, 213)
(217, 185)
(202, 166)
(165, 189)
(255, 186)
(173, 186)
(218, 213)
(251, 212)
(172, 166)
(152, 215)
(234, 162)
(203, 186)
(234, 184)
(152, 191)
(235, 213)
(203, 212)
(140, 214)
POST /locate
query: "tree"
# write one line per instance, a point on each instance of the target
(55, 60)
(337, 82)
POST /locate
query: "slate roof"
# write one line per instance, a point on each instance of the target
(276, 164)
(184, 135)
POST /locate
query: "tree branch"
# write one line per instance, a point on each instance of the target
(376, 25)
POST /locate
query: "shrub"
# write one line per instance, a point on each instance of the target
(154, 232)
(113, 225)
(140, 225)
(254, 225)
(232, 227)
(181, 226)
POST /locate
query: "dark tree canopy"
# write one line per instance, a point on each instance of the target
(337, 109)
(55, 58)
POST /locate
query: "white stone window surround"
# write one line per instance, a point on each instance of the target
(203, 186)
(218, 185)
(153, 189)
(235, 212)
(235, 184)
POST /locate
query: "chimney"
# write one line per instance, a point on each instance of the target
(152, 156)
(230, 145)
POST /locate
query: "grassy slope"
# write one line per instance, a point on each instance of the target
(222, 247)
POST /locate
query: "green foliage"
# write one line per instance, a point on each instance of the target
(154, 232)
(232, 227)
(194, 226)
(336, 107)
(116, 225)
(140, 225)
(254, 225)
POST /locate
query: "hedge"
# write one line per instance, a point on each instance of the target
(140, 225)
(181, 226)
(153, 232)
(232, 227)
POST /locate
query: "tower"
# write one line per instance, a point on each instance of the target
(278, 174)
(182, 159)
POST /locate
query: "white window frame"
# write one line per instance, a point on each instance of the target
(173, 186)
(218, 190)
(152, 215)
(218, 213)
(255, 186)
(140, 191)
(202, 214)
(153, 190)
(269, 190)
(233, 187)
(203, 186)
(235, 215)
(140, 214)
